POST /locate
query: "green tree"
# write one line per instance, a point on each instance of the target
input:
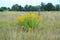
(20, 8)
(30, 8)
(15, 7)
(49, 7)
(3, 8)
(42, 7)
(26, 8)
(57, 7)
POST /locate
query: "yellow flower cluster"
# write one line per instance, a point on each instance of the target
(30, 16)
(20, 18)
(29, 20)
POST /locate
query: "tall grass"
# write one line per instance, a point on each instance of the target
(50, 30)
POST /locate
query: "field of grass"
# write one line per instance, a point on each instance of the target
(50, 30)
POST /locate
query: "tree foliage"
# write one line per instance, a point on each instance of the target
(42, 7)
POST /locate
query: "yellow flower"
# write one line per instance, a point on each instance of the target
(17, 18)
(20, 18)
(31, 15)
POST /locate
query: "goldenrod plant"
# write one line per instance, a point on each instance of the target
(29, 20)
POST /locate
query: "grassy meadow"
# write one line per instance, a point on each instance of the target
(49, 30)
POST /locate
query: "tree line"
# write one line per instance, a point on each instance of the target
(42, 7)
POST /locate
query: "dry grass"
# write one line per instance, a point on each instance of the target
(50, 29)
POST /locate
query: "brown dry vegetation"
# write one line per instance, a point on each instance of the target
(50, 30)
